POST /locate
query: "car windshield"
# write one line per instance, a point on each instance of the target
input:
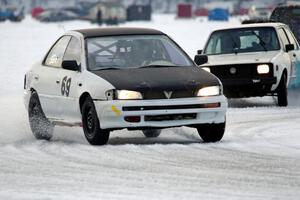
(134, 51)
(242, 41)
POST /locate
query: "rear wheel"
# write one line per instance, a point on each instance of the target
(282, 92)
(152, 133)
(40, 126)
(211, 132)
(91, 125)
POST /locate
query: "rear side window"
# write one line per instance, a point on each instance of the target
(73, 51)
(56, 54)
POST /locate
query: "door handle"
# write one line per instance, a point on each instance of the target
(57, 81)
(36, 77)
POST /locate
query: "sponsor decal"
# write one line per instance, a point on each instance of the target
(116, 110)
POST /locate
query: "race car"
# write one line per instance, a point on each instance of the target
(107, 79)
(256, 59)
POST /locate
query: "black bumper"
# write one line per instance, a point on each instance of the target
(237, 88)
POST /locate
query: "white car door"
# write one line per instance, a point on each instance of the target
(295, 59)
(69, 85)
(46, 78)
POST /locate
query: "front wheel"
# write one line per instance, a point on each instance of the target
(41, 127)
(211, 132)
(282, 92)
(91, 125)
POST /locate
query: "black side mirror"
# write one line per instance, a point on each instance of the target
(200, 59)
(289, 47)
(70, 65)
(199, 51)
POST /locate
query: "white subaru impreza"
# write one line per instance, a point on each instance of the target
(115, 78)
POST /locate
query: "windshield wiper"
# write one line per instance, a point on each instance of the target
(261, 42)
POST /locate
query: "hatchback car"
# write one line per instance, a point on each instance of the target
(254, 60)
(116, 78)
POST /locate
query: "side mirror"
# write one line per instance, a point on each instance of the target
(199, 51)
(70, 65)
(200, 59)
(289, 47)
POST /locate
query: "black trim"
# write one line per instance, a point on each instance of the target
(230, 82)
(168, 107)
(246, 71)
(247, 87)
(170, 117)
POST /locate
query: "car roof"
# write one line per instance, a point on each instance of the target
(117, 31)
(254, 25)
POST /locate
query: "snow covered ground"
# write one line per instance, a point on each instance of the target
(258, 158)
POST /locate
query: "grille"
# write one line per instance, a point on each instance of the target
(171, 107)
(174, 95)
(170, 117)
(242, 71)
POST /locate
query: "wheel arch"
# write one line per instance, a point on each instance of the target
(285, 72)
(82, 98)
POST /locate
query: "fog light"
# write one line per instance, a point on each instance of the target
(132, 119)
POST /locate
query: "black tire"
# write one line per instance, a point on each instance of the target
(41, 127)
(151, 133)
(282, 97)
(91, 125)
(211, 132)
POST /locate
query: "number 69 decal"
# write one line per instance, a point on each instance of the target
(65, 86)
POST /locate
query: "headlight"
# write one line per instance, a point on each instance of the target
(263, 69)
(128, 94)
(206, 69)
(209, 91)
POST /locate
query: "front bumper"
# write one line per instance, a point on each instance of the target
(248, 87)
(161, 113)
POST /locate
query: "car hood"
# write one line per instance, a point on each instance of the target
(162, 78)
(241, 58)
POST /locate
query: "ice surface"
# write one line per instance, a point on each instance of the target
(258, 158)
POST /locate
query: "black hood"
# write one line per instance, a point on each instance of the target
(158, 79)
